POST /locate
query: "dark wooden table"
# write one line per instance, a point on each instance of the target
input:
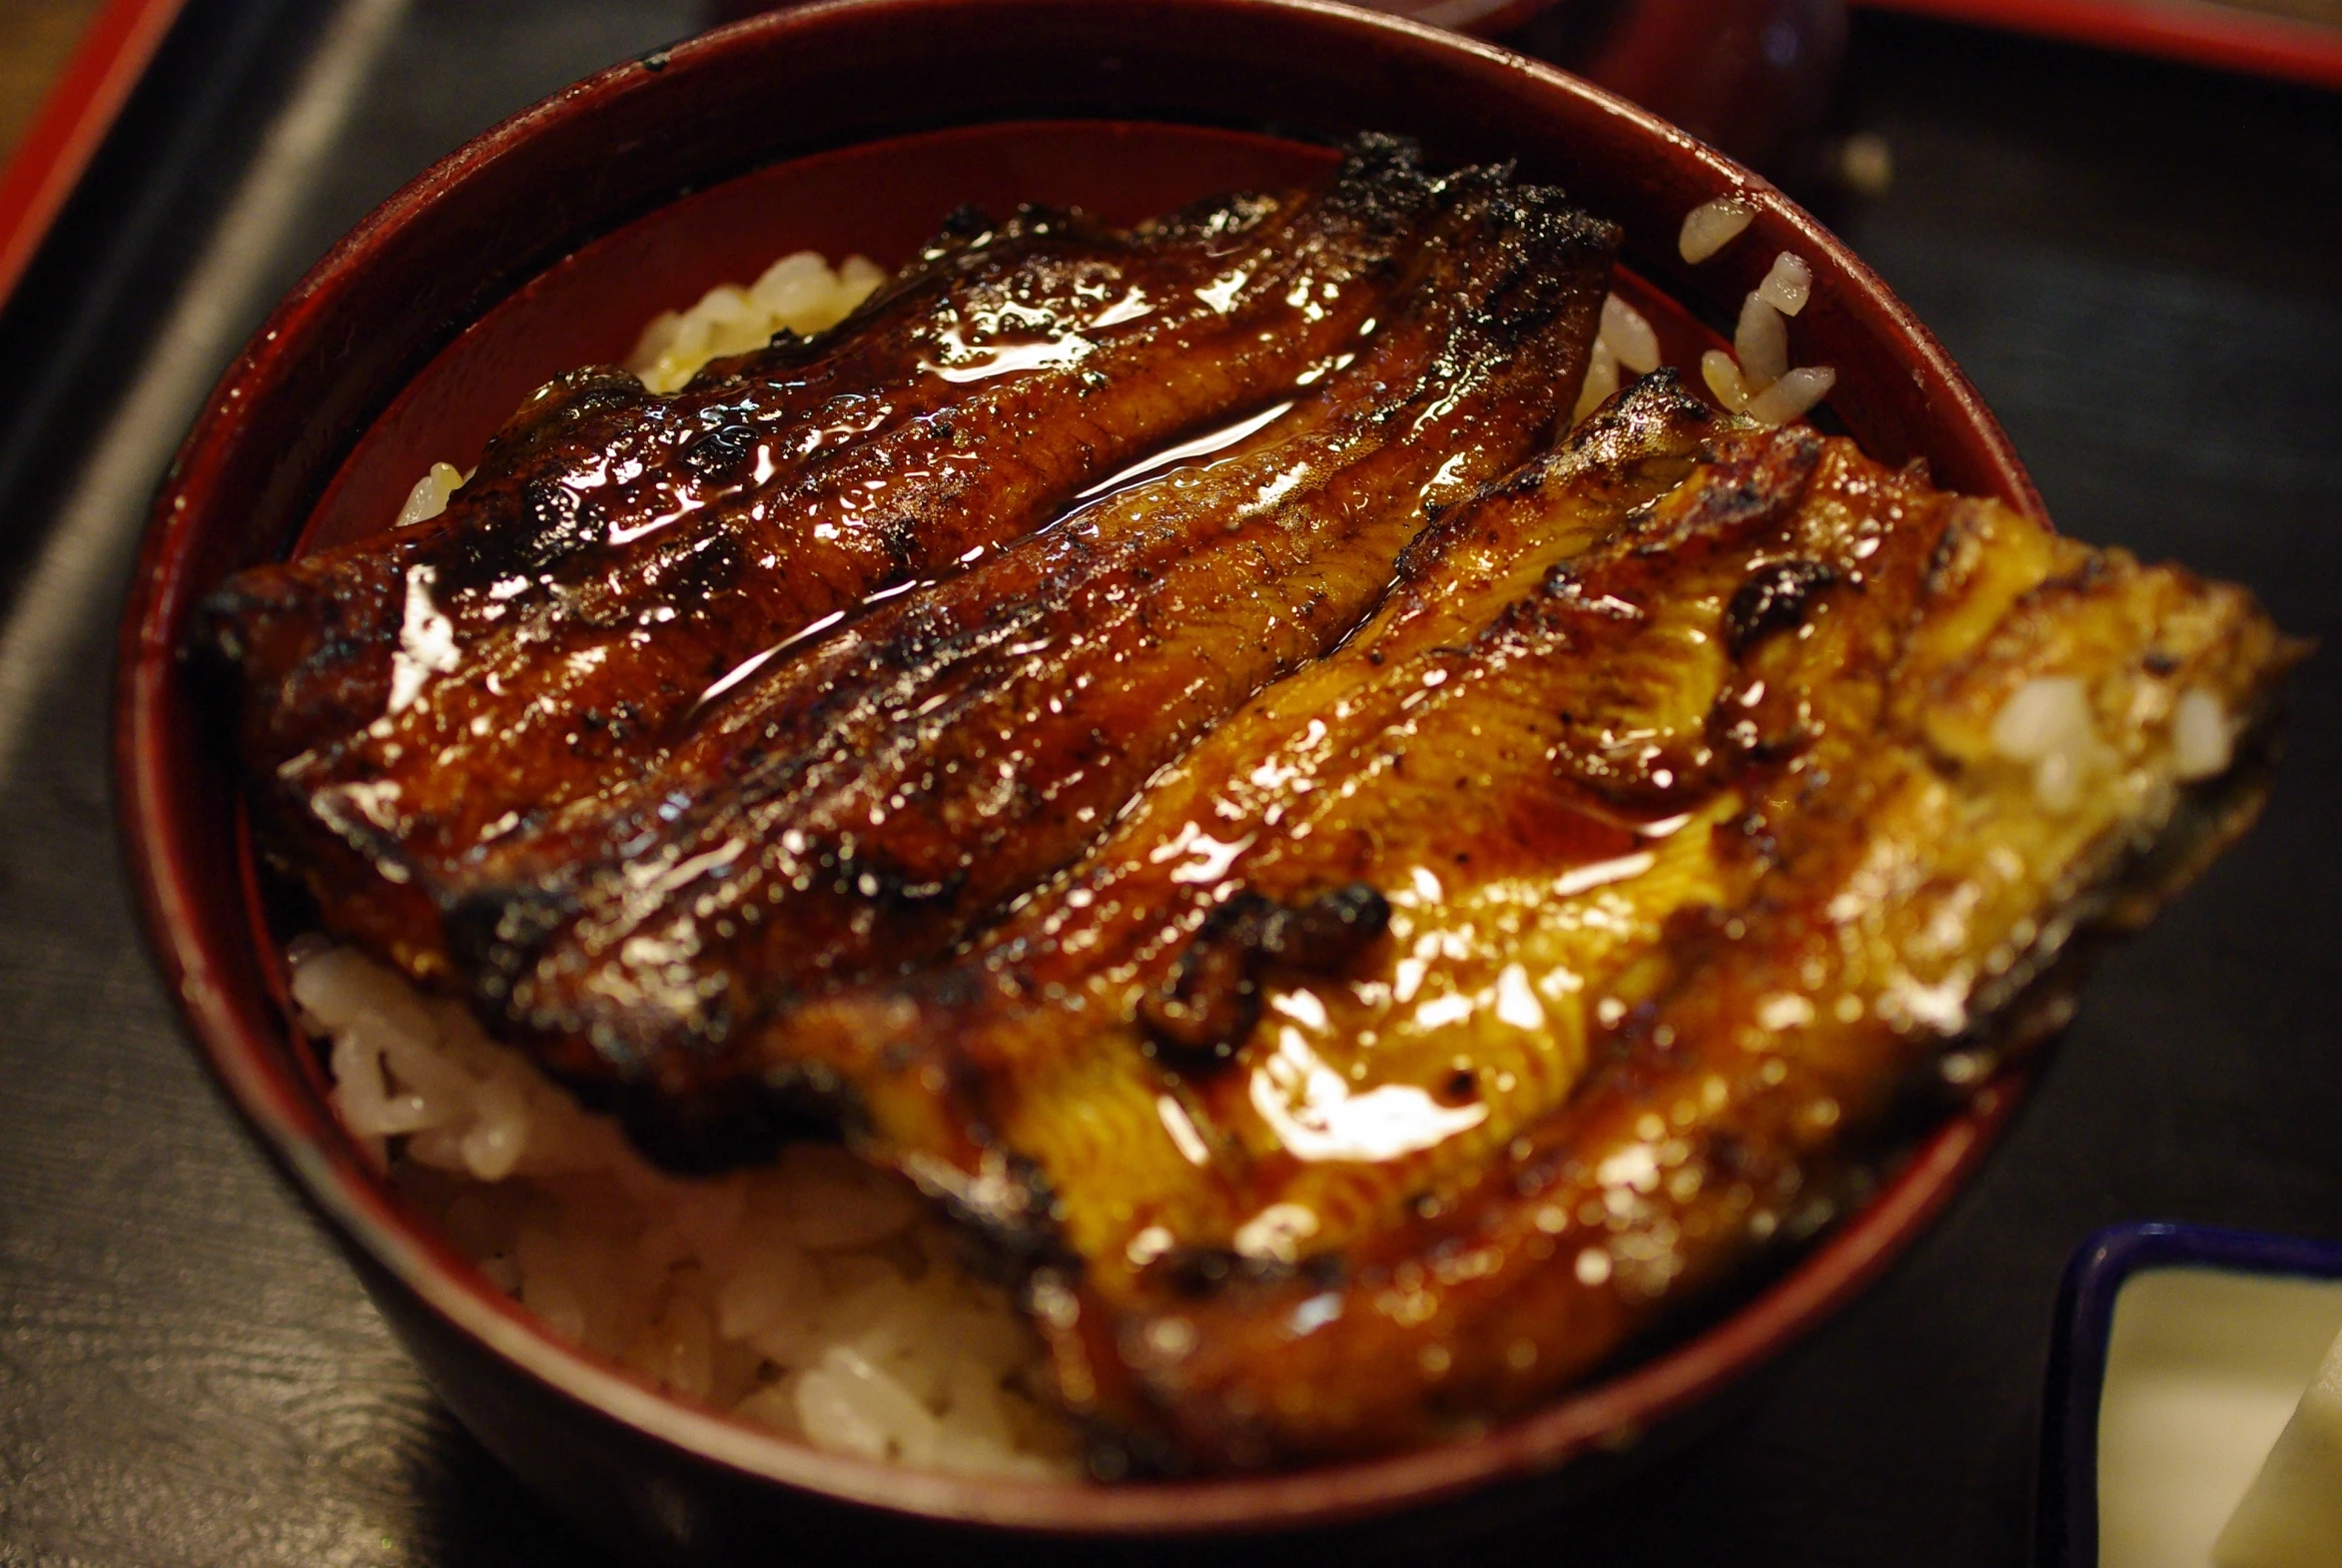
(2140, 266)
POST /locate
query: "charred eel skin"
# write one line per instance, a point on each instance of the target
(861, 807)
(1701, 843)
(1360, 1023)
(408, 701)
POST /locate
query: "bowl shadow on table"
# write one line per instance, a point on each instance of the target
(474, 1513)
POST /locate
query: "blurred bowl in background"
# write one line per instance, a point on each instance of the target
(1748, 77)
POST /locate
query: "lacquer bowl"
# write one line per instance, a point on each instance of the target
(848, 127)
(1749, 76)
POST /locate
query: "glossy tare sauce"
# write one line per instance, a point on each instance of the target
(1477, 995)
(595, 744)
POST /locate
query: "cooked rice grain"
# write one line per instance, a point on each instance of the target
(1792, 396)
(1601, 380)
(799, 293)
(819, 1297)
(1721, 374)
(1761, 344)
(1710, 226)
(1631, 338)
(1789, 284)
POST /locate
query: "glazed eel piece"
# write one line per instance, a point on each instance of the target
(407, 699)
(856, 809)
(1473, 999)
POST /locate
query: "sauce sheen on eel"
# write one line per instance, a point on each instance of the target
(1375, 934)
(1576, 932)
(859, 807)
(406, 702)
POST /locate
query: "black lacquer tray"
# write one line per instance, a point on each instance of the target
(2137, 265)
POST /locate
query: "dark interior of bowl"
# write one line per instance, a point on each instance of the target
(547, 244)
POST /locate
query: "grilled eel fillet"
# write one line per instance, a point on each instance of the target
(854, 810)
(1477, 995)
(406, 700)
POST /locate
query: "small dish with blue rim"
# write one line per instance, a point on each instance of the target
(2181, 1354)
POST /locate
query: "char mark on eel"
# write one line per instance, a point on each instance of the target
(856, 810)
(407, 702)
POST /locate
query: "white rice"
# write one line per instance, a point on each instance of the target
(800, 293)
(1710, 226)
(1629, 336)
(2049, 722)
(1721, 374)
(1761, 344)
(430, 497)
(1600, 382)
(818, 1297)
(1793, 395)
(2203, 739)
(1757, 378)
(1787, 286)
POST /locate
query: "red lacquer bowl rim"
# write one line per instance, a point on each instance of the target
(242, 1035)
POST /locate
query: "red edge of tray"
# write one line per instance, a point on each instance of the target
(2198, 32)
(241, 1029)
(73, 120)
